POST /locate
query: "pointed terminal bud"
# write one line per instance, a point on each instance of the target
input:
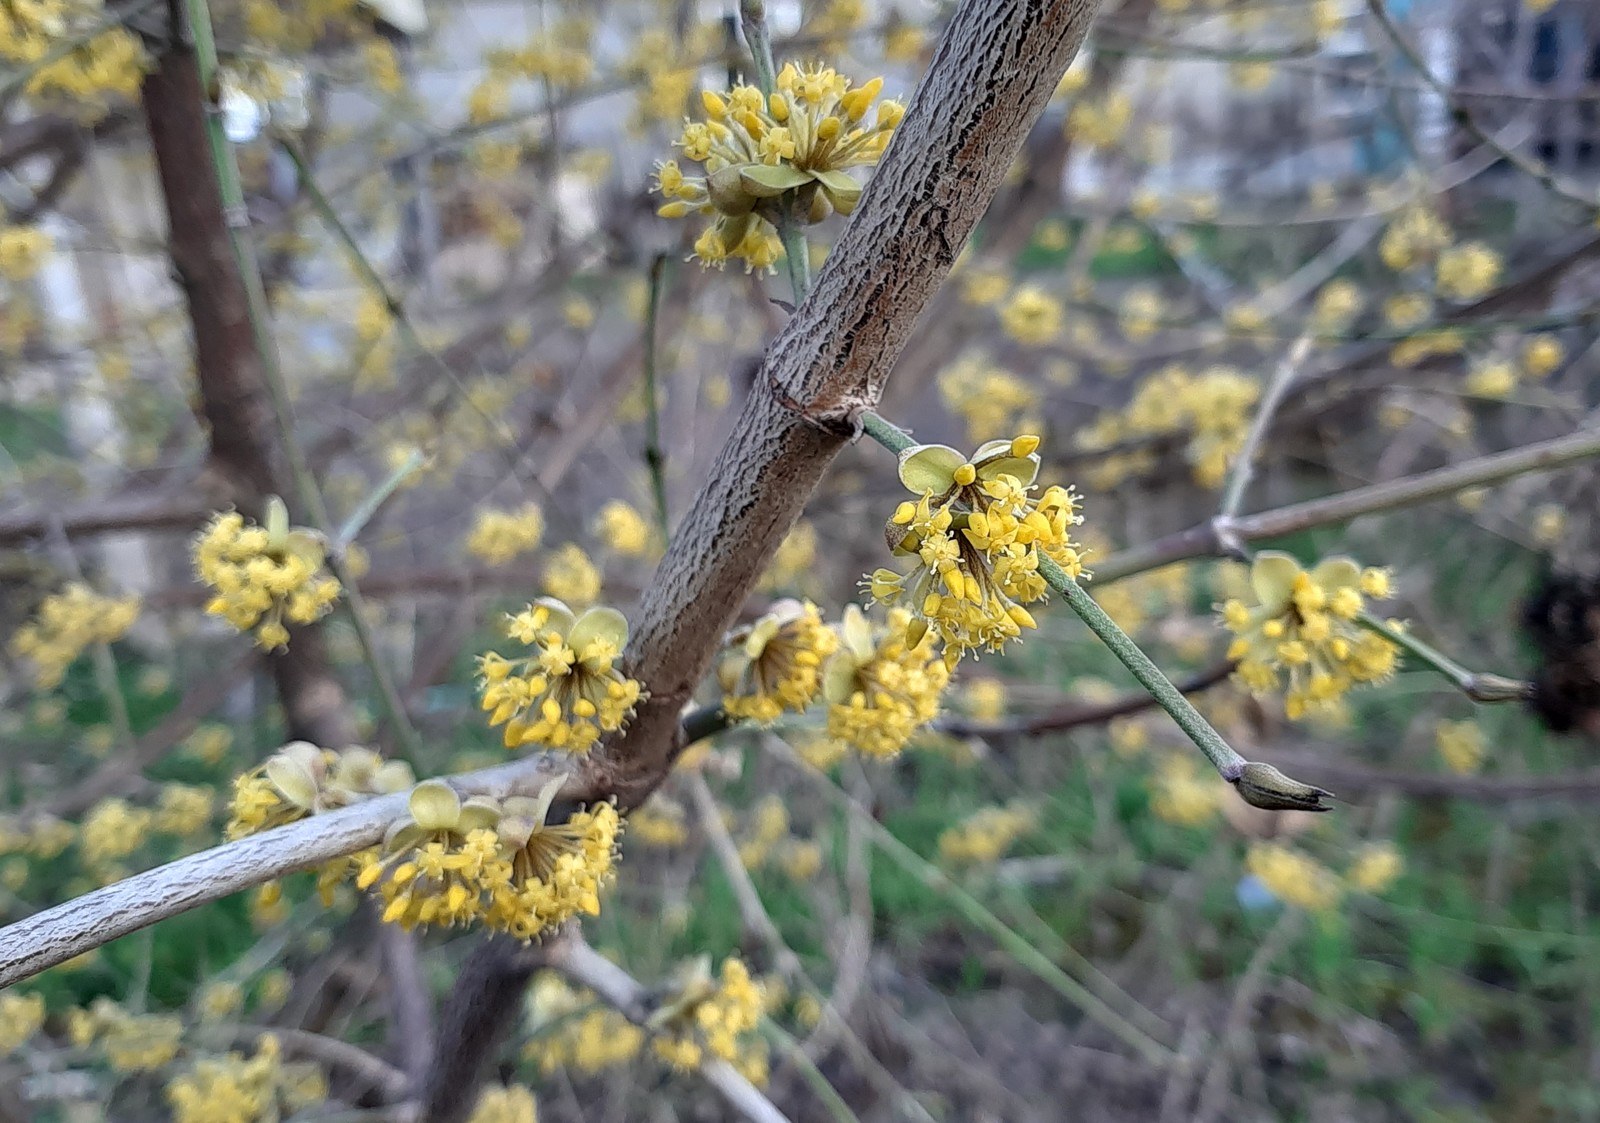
(1262, 785)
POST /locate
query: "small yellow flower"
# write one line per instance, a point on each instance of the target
(622, 528)
(1461, 745)
(68, 623)
(881, 689)
(982, 837)
(265, 576)
(568, 690)
(1375, 868)
(1303, 626)
(499, 536)
(775, 664)
(1294, 878)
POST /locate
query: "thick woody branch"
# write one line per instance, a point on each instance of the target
(995, 69)
(55, 935)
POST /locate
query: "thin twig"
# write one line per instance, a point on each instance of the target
(580, 963)
(1244, 461)
(1200, 541)
(655, 460)
(1479, 686)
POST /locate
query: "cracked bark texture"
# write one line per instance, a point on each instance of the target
(989, 80)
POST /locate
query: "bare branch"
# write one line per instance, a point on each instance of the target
(995, 69)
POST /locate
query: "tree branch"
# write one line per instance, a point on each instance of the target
(995, 69)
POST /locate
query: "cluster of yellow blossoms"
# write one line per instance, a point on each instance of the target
(264, 575)
(499, 862)
(775, 664)
(716, 1015)
(22, 248)
(1303, 626)
(623, 529)
(66, 623)
(131, 1042)
(880, 687)
(302, 779)
(1461, 745)
(499, 536)
(21, 1016)
(987, 397)
(234, 1087)
(976, 536)
(572, 1029)
(1212, 406)
(511, 1103)
(569, 690)
(1298, 879)
(88, 74)
(768, 155)
(982, 837)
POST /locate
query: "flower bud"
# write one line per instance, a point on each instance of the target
(1262, 785)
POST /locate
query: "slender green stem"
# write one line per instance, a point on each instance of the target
(813, 1076)
(753, 17)
(1244, 464)
(655, 460)
(1478, 686)
(796, 255)
(1228, 763)
(306, 490)
(936, 880)
(368, 507)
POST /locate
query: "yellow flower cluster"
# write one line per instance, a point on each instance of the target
(775, 664)
(66, 623)
(767, 156)
(132, 1042)
(1213, 406)
(1541, 355)
(1376, 867)
(1303, 626)
(21, 1015)
(183, 809)
(87, 75)
(264, 575)
(499, 536)
(982, 837)
(1467, 271)
(1295, 878)
(570, 1029)
(22, 248)
(505, 1104)
(1460, 745)
(1415, 236)
(984, 699)
(659, 822)
(976, 537)
(41, 836)
(1181, 793)
(1300, 880)
(499, 862)
(302, 779)
(719, 1016)
(569, 690)
(239, 1089)
(570, 576)
(112, 830)
(623, 529)
(988, 398)
(880, 688)
(1032, 316)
